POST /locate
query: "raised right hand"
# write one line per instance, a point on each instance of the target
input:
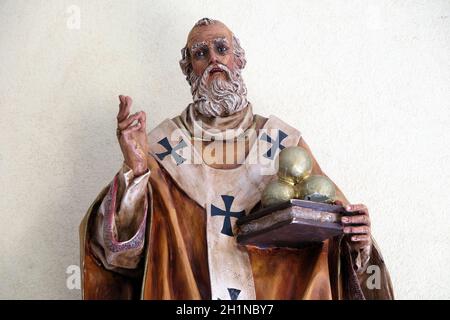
(132, 136)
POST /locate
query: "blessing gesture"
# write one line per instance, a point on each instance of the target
(132, 136)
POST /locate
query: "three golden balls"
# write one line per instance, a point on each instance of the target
(295, 180)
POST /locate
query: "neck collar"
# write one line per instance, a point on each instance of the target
(217, 128)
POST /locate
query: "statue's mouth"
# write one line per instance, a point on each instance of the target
(215, 70)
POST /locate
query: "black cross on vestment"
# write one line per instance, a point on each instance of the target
(228, 200)
(275, 144)
(234, 293)
(172, 151)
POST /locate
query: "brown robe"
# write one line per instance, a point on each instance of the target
(175, 262)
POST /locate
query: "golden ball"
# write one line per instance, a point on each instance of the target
(294, 164)
(277, 192)
(316, 188)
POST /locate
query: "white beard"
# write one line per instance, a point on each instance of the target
(222, 97)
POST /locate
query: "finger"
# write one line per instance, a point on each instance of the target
(357, 230)
(357, 208)
(121, 97)
(121, 104)
(140, 117)
(357, 219)
(124, 108)
(131, 129)
(128, 100)
(338, 202)
(361, 238)
(143, 120)
(126, 123)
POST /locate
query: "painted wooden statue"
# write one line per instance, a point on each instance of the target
(165, 227)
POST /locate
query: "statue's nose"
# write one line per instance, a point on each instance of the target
(213, 58)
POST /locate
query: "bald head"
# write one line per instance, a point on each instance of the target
(206, 29)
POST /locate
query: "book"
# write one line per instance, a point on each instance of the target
(293, 224)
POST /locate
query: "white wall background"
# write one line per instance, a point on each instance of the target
(367, 82)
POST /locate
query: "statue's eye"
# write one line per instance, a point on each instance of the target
(200, 54)
(222, 49)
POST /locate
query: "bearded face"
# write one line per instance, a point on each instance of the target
(212, 62)
(218, 97)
